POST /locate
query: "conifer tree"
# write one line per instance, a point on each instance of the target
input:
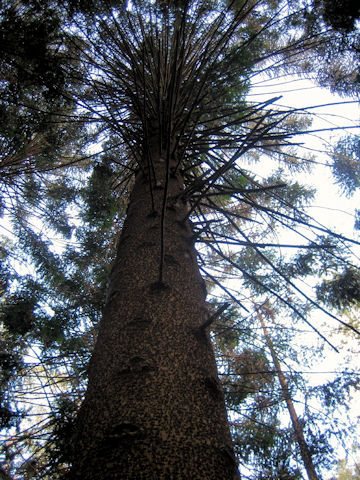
(162, 88)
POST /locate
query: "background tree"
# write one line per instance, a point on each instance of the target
(163, 88)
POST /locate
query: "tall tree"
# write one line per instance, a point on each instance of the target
(296, 422)
(163, 86)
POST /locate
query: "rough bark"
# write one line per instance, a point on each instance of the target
(154, 407)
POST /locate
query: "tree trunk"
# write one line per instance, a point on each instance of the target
(297, 425)
(154, 407)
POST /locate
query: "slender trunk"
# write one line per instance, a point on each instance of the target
(297, 426)
(154, 408)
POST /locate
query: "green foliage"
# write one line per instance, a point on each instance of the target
(272, 447)
(334, 62)
(341, 14)
(17, 314)
(10, 364)
(102, 204)
(337, 391)
(345, 472)
(63, 416)
(341, 291)
(346, 164)
(251, 373)
(29, 38)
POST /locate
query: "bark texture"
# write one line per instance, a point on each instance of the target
(154, 407)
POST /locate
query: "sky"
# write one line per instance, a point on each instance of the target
(330, 207)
